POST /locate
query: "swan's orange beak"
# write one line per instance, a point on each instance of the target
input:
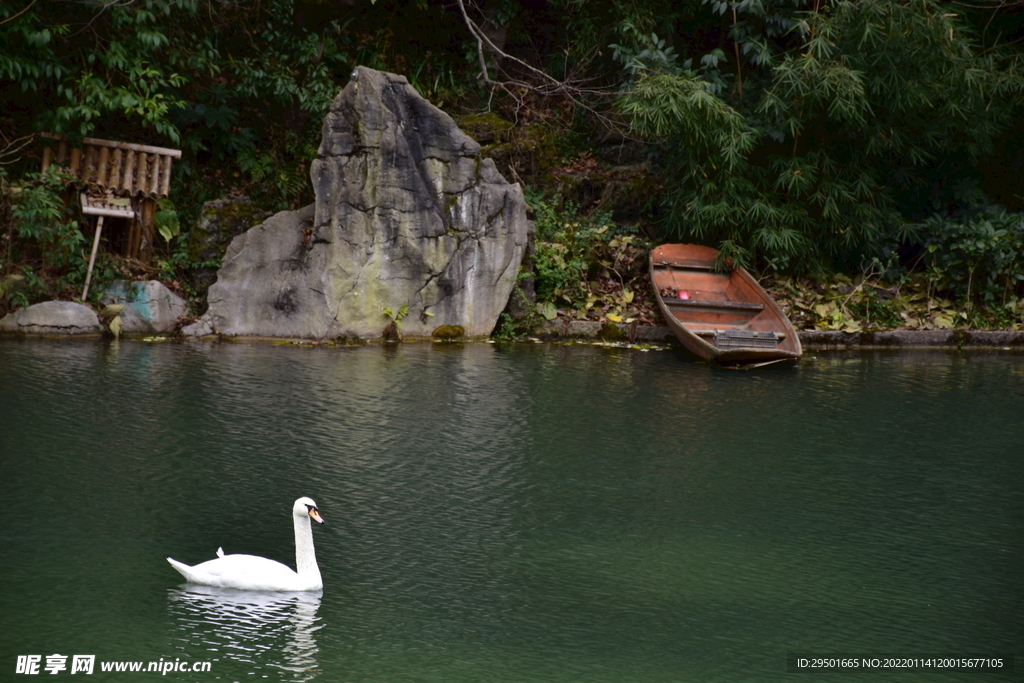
(315, 514)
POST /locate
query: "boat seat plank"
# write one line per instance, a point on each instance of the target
(743, 339)
(698, 303)
(686, 265)
(711, 333)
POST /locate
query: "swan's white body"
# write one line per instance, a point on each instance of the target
(249, 572)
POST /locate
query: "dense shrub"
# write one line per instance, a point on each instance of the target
(796, 142)
(978, 256)
(586, 265)
(42, 243)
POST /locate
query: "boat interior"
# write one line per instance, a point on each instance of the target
(708, 302)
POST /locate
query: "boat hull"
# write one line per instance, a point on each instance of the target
(725, 318)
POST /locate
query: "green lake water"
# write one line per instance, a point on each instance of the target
(510, 513)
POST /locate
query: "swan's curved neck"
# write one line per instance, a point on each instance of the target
(305, 557)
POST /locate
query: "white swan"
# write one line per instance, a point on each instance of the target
(249, 572)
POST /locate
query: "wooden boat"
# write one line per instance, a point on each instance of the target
(724, 318)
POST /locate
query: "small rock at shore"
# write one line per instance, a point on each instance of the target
(150, 308)
(52, 317)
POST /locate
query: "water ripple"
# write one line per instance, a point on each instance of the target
(522, 513)
(237, 628)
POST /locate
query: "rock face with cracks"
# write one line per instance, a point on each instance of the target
(407, 215)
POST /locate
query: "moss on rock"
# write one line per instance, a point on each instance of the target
(487, 129)
(611, 332)
(448, 332)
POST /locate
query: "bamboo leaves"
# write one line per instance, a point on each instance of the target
(665, 105)
(845, 105)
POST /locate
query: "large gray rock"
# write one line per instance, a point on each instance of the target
(265, 287)
(149, 307)
(52, 317)
(407, 214)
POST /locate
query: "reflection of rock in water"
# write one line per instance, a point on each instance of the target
(264, 630)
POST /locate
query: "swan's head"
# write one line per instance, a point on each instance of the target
(306, 507)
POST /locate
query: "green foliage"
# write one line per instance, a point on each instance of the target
(444, 84)
(978, 257)
(585, 264)
(562, 252)
(183, 73)
(642, 52)
(393, 330)
(123, 73)
(278, 174)
(43, 257)
(293, 67)
(396, 316)
(10, 296)
(293, 75)
(506, 329)
(835, 109)
(143, 97)
(796, 135)
(175, 268)
(166, 220)
(37, 209)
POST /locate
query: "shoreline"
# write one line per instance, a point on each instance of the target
(597, 332)
(809, 339)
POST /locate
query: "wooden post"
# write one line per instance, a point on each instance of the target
(92, 256)
(134, 235)
(146, 233)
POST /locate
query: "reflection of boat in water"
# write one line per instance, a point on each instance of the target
(261, 629)
(725, 318)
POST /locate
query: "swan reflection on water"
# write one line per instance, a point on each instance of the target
(262, 629)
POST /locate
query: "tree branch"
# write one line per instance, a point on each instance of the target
(12, 18)
(12, 148)
(576, 89)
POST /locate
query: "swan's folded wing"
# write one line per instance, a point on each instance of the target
(247, 572)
